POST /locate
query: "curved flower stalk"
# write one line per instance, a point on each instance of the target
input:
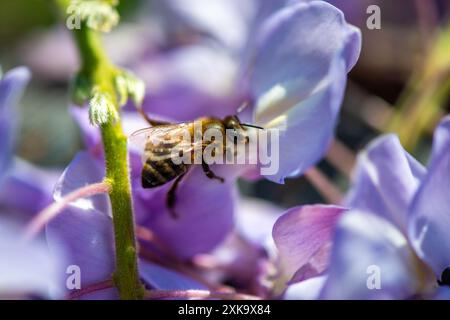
(397, 225)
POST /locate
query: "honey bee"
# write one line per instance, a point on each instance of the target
(162, 138)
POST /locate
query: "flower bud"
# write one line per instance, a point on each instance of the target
(98, 15)
(102, 109)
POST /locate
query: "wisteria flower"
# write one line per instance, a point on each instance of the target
(396, 228)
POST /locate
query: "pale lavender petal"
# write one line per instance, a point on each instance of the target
(12, 85)
(242, 263)
(86, 238)
(430, 212)
(161, 278)
(43, 51)
(305, 290)
(212, 18)
(205, 208)
(27, 189)
(245, 255)
(385, 180)
(132, 122)
(89, 133)
(83, 171)
(299, 75)
(367, 246)
(27, 268)
(255, 220)
(303, 237)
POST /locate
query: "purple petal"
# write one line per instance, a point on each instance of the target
(430, 212)
(213, 18)
(385, 180)
(303, 236)
(241, 262)
(12, 85)
(164, 279)
(255, 220)
(26, 268)
(299, 77)
(443, 293)
(205, 208)
(89, 133)
(86, 238)
(367, 246)
(82, 171)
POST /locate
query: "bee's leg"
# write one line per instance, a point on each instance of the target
(171, 196)
(207, 170)
(151, 121)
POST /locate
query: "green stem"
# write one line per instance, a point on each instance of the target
(97, 68)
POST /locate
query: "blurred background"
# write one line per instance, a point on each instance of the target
(401, 84)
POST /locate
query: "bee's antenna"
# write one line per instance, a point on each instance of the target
(252, 126)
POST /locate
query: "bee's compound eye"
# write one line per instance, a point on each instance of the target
(445, 277)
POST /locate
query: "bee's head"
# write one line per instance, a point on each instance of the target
(233, 122)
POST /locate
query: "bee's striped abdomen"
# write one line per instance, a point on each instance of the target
(157, 173)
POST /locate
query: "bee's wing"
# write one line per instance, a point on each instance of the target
(159, 142)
